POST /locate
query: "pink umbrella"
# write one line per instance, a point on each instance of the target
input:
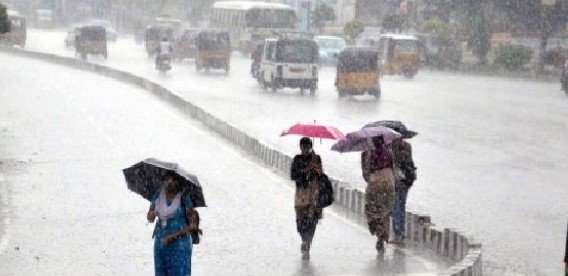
(315, 131)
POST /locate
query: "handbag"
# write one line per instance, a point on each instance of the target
(195, 234)
(326, 193)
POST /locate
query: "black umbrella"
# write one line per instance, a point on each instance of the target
(145, 179)
(397, 126)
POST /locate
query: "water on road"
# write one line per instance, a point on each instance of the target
(66, 134)
(490, 151)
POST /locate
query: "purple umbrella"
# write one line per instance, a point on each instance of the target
(361, 140)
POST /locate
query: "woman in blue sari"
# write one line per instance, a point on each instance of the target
(172, 238)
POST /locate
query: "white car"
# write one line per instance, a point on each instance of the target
(289, 63)
(329, 48)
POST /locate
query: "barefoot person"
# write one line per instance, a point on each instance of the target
(377, 167)
(404, 175)
(306, 171)
(172, 239)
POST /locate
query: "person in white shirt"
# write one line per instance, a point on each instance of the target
(164, 51)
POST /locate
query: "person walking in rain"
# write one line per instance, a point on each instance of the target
(377, 167)
(306, 171)
(172, 238)
(404, 176)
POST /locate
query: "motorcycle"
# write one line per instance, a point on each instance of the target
(164, 64)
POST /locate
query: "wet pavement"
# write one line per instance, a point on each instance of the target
(64, 137)
(491, 151)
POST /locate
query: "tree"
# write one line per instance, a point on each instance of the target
(321, 14)
(479, 32)
(533, 16)
(353, 29)
(436, 26)
(392, 22)
(478, 39)
(4, 22)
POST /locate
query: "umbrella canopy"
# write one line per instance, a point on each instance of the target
(314, 131)
(397, 126)
(145, 179)
(361, 140)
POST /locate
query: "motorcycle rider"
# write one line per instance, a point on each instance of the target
(164, 51)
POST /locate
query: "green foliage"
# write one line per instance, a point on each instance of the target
(478, 39)
(4, 23)
(531, 15)
(353, 29)
(392, 22)
(512, 57)
(321, 14)
(436, 26)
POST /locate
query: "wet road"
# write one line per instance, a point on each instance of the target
(64, 137)
(490, 154)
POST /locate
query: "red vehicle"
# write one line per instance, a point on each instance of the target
(185, 44)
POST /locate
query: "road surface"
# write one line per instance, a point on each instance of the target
(490, 153)
(66, 134)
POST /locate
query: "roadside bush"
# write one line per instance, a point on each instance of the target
(353, 29)
(512, 57)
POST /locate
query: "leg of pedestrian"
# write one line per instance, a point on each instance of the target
(399, 214)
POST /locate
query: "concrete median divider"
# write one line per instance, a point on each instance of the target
(421, 232)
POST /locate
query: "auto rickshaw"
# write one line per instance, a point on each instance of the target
(154, 35)
(91, 40)
(213, 50)
(400, 54)
(358, 72)
(17, 33)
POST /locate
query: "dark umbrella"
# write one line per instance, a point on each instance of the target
(361, 140)
(397, 126)
(145, 179)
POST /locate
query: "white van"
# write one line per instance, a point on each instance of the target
(289, 63)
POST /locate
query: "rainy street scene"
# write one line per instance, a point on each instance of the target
(283, 137)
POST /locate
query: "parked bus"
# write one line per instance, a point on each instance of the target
(250, 23)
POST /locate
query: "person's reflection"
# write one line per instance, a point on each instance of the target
(306, 268)
(399, 260)
(387, 264)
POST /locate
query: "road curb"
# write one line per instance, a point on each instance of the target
(421, 232)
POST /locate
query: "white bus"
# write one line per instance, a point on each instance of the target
(249, 23)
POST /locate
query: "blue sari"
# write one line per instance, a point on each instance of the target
(175, 258)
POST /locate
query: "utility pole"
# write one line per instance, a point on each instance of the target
(545, 31)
